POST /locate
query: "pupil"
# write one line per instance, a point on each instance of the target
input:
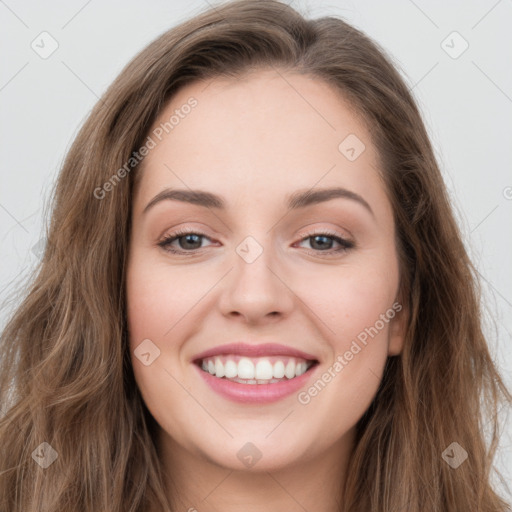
(321, 237)
(323, 240)
(189, 238)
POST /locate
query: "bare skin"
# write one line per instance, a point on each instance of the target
(254, 141)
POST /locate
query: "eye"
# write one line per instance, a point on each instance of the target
(189, 241)
(322, 242)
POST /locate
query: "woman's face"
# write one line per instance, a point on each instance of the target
(277, 276)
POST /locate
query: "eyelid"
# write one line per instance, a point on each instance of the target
(179, 233)
(345, 243)
(183, 230)
(321, 231)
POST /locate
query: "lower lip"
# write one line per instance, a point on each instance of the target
(255, 393)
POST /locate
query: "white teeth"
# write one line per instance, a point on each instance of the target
(262, 370)
(219, 368)
(300, 369)
(245, 368)
(254, 381)
(278, 370)
(289, 371)
(230, 369)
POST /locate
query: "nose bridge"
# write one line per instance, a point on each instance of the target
(251, 249)
(255, 261)
(255, 290)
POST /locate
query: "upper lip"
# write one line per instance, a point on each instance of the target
(250, 350)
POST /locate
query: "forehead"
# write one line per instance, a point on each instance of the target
(265, 130)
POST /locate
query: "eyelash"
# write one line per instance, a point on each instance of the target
(345, 244)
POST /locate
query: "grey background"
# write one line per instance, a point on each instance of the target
(466, 103)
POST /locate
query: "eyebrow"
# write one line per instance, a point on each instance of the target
(299, 199)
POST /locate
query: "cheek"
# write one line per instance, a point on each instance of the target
(157, 300)
(355, 304)
(351, 300)
(158, 297)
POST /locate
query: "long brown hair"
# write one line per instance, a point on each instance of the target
(66, 376)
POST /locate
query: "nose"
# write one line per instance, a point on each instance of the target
(256, 290)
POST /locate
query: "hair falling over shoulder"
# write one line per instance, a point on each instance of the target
(66, 382)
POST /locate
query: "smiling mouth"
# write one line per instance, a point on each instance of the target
(255, 370)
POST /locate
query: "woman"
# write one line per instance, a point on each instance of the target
(318, 347)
